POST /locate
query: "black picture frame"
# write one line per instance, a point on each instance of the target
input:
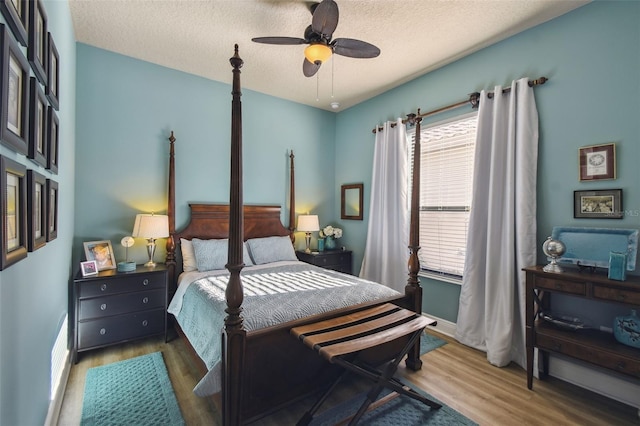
(598, 204)
(53, 140)
(16, 14)
(37, 48)
(52, 89)
(14, 107)
(38, 124)
(351, 204)
(52, 209)
(13, 245)
(37, 210)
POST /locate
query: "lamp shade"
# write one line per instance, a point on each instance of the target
(317, 52)
(151, 226)
(308, 223)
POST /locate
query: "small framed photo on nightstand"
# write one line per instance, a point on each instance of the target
(90, 267)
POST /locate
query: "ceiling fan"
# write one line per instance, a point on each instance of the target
(318, 37)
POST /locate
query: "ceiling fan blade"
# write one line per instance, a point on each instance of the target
(354, 48)
(325, 18)
(310, 69)
(279, 40)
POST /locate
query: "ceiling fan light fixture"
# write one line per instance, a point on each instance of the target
(317, 52)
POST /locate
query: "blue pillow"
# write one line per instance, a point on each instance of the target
(212, 255)
(271, 249)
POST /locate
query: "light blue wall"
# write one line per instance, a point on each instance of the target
(33, 292)
(592, 57)
(126, 111)
(126, 108)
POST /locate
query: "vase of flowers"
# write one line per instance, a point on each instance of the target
(330, 234)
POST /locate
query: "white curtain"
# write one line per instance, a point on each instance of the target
(502, 226)
(386, 252)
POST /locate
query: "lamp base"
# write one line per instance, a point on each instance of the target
(151, 249)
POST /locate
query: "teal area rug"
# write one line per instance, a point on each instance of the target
(399, 411)
(135, 391)
(429, 342)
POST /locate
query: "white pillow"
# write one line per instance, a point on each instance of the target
(188, 256)
(212, 255)
(271, 249)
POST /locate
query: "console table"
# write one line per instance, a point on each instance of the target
(589, 345)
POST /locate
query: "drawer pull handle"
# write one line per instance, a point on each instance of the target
(622, 296)
(103, 307)
(559, 286)
(621, 365)
(103, 331)
(103, 287)
(145, 323)
(145, 282)
(145, 300)
(557, 347)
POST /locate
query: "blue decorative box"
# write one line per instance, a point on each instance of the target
(627, 329)
(617, 266)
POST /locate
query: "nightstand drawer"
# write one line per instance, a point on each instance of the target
(98, 307)
(122, 284)
(116, 329)
(616, 294)
(573, 287)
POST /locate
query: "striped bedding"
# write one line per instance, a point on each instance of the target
(273, 294)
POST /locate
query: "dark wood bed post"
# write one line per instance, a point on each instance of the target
(413, 289)
(234, 335)
(171, 212)
(292, 198)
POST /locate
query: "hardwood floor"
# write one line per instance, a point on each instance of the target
(455, 374)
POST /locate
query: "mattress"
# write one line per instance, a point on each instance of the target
(274, 293)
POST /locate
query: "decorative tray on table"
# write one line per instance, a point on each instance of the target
(591, 246)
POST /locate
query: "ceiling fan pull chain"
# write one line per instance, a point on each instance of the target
(333, 61)
(318, 87)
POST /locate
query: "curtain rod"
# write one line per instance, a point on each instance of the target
(474, 100)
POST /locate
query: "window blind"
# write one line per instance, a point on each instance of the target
(446, 180)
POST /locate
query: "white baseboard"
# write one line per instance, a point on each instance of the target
(589, 377)
(445, 327)
(53, 414)
(596, 380)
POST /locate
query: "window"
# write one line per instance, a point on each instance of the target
(446, 180)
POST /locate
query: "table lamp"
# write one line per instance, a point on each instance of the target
(151, 226)
(308, 223)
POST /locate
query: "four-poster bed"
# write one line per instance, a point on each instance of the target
(262, 367)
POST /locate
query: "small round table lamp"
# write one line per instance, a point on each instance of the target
(151, 226)
(126, 266)
(308, 223)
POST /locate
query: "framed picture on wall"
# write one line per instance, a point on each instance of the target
(598, 162)
(13, 246)
(52, 140)
(36, 209)
(600, 204)
(53, 74)
(37, 49)
(16, 15)
(14, 105)
(52, 209)
(37, 125)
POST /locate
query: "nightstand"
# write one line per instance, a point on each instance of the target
(115, 307)
(338, 260)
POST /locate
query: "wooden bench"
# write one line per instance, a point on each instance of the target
(341, 341)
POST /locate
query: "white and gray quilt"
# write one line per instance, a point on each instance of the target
(273, 294)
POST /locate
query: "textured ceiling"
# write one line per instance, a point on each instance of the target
(414, 36)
